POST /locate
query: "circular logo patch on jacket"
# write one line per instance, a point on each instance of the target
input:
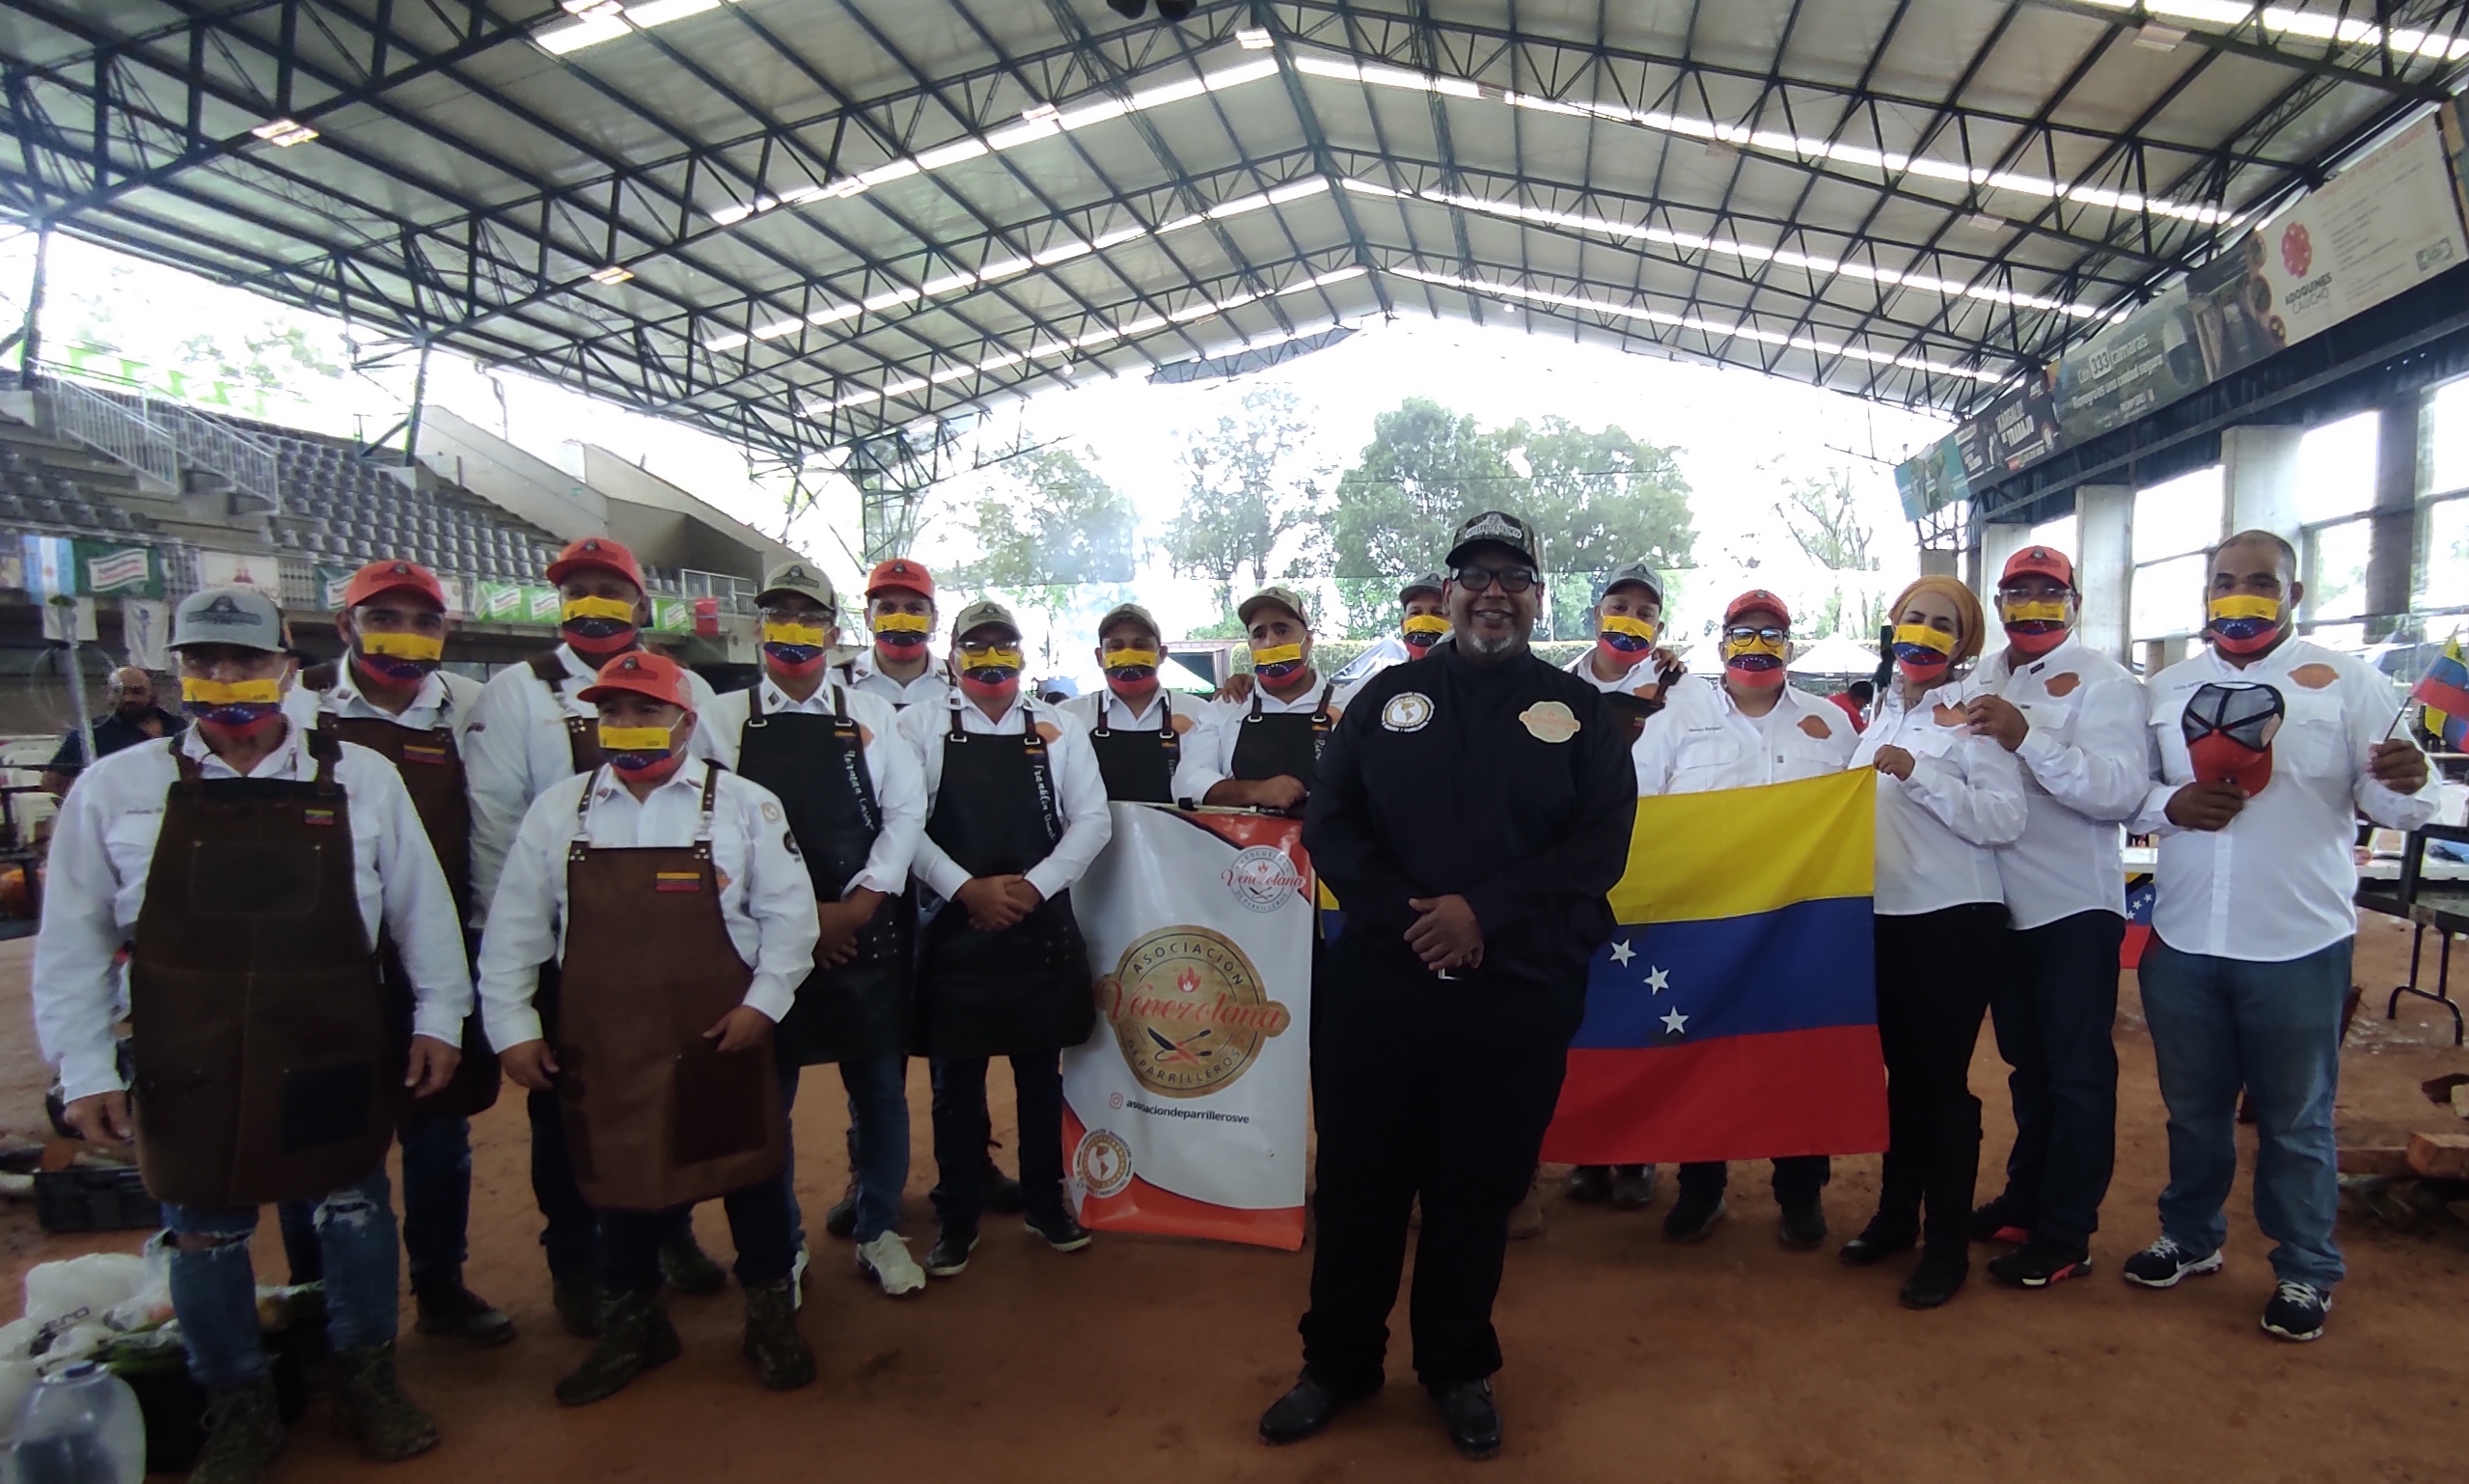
(1549, 721)
(1407, 711)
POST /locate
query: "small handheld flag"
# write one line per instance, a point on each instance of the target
(2444, 693)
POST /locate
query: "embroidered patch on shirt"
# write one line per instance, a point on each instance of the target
(1047, 731)
(1180, 723)
(320, 816)
(1948, 716)
(1815, 728)
(2063, 686)
(414, 752)
(720, 878)
(772, 813)
(866, 736)
(1407, 711)
(2315, 677)
(679, 881)
(1549, 721)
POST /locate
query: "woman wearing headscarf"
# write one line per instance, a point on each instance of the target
(1946, 800)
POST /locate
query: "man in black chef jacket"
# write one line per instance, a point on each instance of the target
(1444, 1012)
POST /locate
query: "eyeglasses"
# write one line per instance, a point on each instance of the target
(1744, 633)
(981, 649)
(1479, 579)
(800, 616)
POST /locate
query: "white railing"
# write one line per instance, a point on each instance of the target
(108, 425)
(161, 438)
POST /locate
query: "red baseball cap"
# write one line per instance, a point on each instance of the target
(1756, 598)
(2044, 561)
(595, 551)
(642, 674)
(903, 573)
(389, 576)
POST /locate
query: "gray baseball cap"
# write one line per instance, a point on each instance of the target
(1133, 611)
(1496, 528)
(1275, 595)
(803, 578)
(1634, 571)
(240, 616)
(981, 613)
(1429, 582)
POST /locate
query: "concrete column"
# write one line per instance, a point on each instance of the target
(1999, 540)
(1937, 562)
(2104, 568)
(2391, 552)
(2259, 466)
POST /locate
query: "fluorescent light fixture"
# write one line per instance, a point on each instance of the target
(1254, 38)
(283, 133)
(1985, 221)
(2153, 36)
(612, 275)
(659, 13)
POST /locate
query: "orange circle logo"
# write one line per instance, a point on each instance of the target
(1189, 1011)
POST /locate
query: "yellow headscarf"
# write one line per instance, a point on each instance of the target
(1967, 613)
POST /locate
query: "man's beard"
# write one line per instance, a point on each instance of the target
(1476, 642)
(133, 710)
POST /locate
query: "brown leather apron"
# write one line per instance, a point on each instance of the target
(657, 1117)
(432, 772)
(266, 1069)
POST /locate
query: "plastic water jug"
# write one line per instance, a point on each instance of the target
(79, 1425)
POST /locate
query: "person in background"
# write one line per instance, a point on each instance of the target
(533, 729)
(1746, 729)
(1267, 746)
(899, 664)
(1947, 799)
(2075, 721)
(854, 798)
(1139, 729)
(674, 903)
(1856, 700)
(180, 849)
(2270, 747)
(133, 718)
(1422, 623)
(1016, 812)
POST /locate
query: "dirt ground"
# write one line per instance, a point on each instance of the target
(1628, 1358)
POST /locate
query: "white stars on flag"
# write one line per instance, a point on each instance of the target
(1657, 980)
(1622, 952)
(1676, 1023)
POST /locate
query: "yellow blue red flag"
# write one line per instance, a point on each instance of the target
(2444, 694)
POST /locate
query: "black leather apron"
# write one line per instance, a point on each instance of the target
(817, 766)
(1139, 767)
(266, 1066)
(1282, 744)
(1027, 988)
(1631, 711)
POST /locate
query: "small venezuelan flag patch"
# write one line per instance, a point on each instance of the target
(323, 816)
(679, 881)
(414, 752)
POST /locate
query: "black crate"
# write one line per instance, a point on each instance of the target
(94, 1198)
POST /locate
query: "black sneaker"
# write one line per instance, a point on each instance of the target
(1999, 1221)
(2163, 1263)
(2040, 1264)
(998, 1192)
(1061, 1231)
(842, 1221)
(950, 1253)
(1692, 1217)
(2296, 1312)
(1588, 1183)
(1633, 1187)
(1804, 1225)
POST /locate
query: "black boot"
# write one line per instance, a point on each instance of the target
(635, 1336)
(1896, 1227)
(1939, 1277)
(1954, 1167)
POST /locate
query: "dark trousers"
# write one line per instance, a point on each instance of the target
(759, 1223)
(570, 1233)
(437, 1208)
(1422, 1086)
(1934, 972)
(962, 1127)
(1798, 1178)
(2052, 1011)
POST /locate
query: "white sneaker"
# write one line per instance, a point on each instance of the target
(797, 1280)
(885, 1259)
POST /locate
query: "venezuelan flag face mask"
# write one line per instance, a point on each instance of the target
(1422, 630)
(397, 659)
(1626, 640)
(2036, 627)
(1921, 652)
(1278, 662)
(2244, 626)
(597, 626)
(900, 635)
(238, 707)
(1132, 673)
(796, 649)
(990, 671)
(640, 752)
(1755, 660)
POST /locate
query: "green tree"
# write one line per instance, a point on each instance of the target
(1052, 531)
(1824, 517)
(1425, 468)
(1250, 485)
(1596, 500)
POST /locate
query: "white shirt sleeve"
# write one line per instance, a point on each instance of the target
(2369, 714)
(419, 906)
(780, 899)
(74, 950)
(706, 742)
(1088, 820)
(935, 870)
(522, 931)
(1201, 764)
(1975, 791)
(497, 772)
(1654, 753)
(2105, 772)
(900, 794)
(721, 724)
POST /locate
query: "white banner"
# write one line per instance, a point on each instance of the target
(1187, 1111)
(2385, 224)
(146, 628)
(240, 570)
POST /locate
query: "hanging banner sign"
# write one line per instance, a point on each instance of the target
(1185, 1113)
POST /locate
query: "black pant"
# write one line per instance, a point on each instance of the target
(1798, 1178)
(2052, 1010)
(962, 1127)
(1934, 972)
(759, 1223)
(572, 1233)
(1429, 1087)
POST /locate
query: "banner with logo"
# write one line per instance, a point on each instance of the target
(127, 571)
(145, 629)
(239, 569)
(332, 583)
(1185, 1113)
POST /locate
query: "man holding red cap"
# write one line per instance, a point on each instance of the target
(533, 729)
(1743, 730)
(671, 894)
(2075, 720)
(899, 665)
(388, 694)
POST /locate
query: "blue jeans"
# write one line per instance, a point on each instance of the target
(2219, 1025)
(878, 1092)
(214, 1289)
(437, 1208)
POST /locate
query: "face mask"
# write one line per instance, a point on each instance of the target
(1922, 652)
(1422, 630)
(2228, 731)
(398, 658)
(240, 706)
(2244, 626)
(1132, 673)
(1755, 662)
(597, 626)
(905, 632)
(795, 648)
(640, 752)
(1277, 662)
(994, 675)
(2036, 628)
(1626, 640)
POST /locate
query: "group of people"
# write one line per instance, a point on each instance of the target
(344, 903)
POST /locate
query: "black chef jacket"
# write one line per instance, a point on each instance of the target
(1446, 778)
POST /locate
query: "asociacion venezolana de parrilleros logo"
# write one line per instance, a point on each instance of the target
(1188, 1011)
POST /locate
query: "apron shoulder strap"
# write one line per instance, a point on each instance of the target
(755, 705)
(547, 669)
(186, 764)
(1320, 712)
(1255, 701)
(711, 790)
(321, 677)
(1105, 704)
(842, 721)
(956, 734)
(327, 749)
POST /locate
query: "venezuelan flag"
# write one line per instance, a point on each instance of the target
(2443, 694)
(1734, 1014)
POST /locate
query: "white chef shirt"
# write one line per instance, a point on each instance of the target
(516, 746)
(1938, 831)
(103, 845)
(1080, 790)
(891, 766)
(933, 688)
(2086, 769)
(1195, 752)
(1643, 675)
(2277, 884)
(1212, 762)
(766, 898)
(444, 699)
(1702, 740)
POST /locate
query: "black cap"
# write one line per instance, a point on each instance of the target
(1495, 527)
